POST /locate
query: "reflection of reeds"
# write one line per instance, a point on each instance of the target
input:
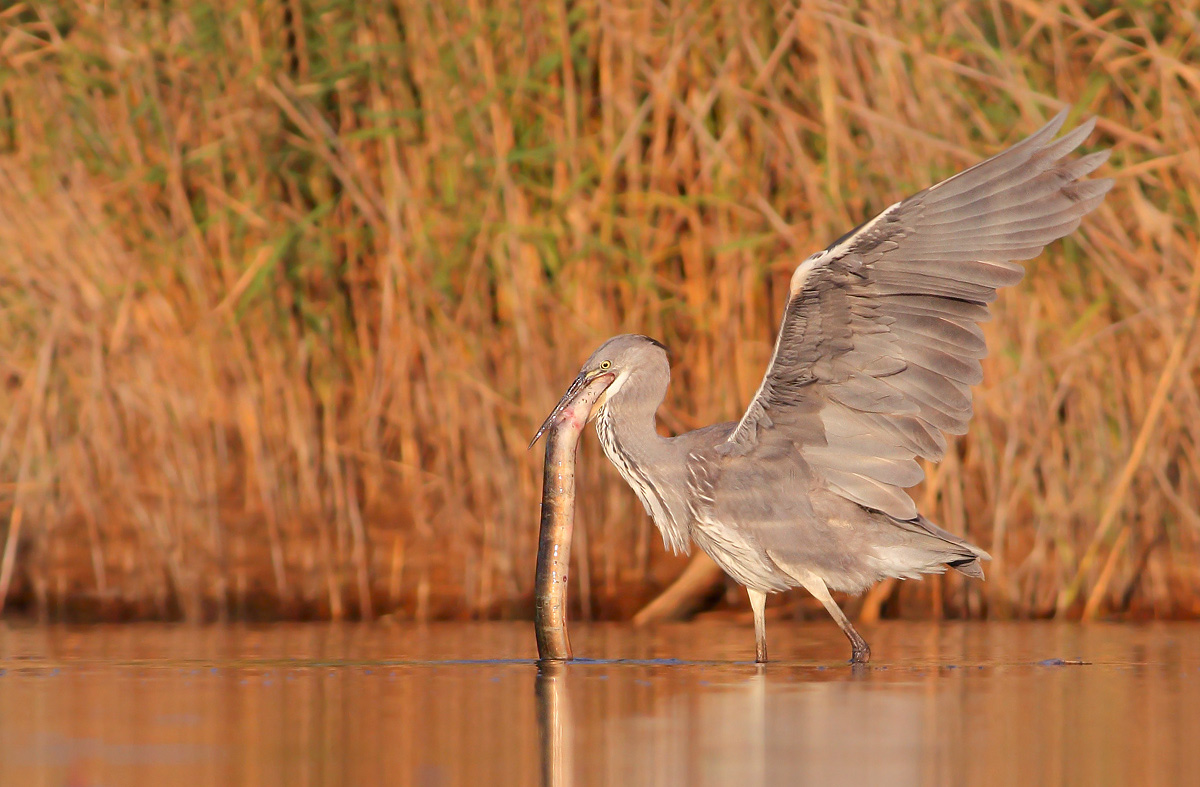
(283, 297)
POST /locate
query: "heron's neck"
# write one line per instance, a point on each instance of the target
(648, 462)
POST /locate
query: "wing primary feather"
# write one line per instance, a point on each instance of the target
(988, 171)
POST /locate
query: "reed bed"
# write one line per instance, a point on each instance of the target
(285, 287)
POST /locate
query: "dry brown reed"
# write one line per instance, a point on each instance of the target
(285, 287)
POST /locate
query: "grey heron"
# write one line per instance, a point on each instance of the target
(872, 367)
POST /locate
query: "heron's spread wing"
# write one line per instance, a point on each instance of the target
(880, 343)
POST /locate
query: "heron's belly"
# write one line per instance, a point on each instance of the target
(746, 563)
(774, 559)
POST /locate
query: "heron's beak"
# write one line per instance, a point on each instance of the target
(579, 399)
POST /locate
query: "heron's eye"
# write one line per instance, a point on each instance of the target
(605, 364)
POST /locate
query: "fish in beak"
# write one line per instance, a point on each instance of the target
(580, 399)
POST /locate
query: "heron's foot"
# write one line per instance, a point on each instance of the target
(861, 653)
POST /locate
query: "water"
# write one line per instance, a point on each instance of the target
(463, 704)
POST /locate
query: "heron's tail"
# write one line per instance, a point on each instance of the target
(951, 550)
(969, 566)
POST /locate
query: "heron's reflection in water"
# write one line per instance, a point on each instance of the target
(555, 725)
(639, 749)
(633, 723)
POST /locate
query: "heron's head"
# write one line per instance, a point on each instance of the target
(605, 373)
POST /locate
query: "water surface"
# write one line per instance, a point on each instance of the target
(451, 704)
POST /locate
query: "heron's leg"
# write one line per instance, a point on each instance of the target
(860, 651)
(758, 602)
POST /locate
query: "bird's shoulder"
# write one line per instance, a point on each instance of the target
(774, 476)
(701, 449)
